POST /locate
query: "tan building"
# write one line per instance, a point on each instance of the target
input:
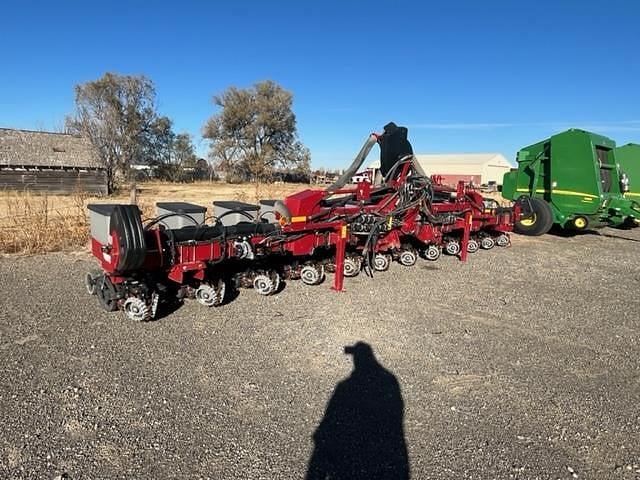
(479, 168)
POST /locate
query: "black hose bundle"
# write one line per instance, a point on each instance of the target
(416, 191)
(172, 239)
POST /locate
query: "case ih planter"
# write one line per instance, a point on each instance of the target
(572, 180)
(342, 229)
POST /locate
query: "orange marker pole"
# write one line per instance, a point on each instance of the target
(341, 243)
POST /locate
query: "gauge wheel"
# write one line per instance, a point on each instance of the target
(106, 293)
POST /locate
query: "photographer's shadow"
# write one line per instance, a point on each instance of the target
(361, 435)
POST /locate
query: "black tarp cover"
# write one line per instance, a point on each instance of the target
(393, 146)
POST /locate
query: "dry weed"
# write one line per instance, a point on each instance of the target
(32, 225)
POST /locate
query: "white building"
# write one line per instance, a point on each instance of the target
(479, 168)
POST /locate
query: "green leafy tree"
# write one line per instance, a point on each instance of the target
(184, 153)
(118, 113)
(255, 133)
(179, 159)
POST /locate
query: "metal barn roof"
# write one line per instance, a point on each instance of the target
(26, 148)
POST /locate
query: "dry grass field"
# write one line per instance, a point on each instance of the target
(31, 223)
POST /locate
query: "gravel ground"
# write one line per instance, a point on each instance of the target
(522, 363)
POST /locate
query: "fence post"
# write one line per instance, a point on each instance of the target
(133, 195)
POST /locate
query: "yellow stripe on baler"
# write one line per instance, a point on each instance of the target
(298, 219)
(560, 192)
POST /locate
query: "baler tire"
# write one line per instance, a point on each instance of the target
(542, 219)
(580, 223)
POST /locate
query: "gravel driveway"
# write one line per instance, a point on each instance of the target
(522, 363)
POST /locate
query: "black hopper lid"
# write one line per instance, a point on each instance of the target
(181, 207)
(236, 206)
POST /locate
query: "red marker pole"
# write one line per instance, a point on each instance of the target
(468, 220)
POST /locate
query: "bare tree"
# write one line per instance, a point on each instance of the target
(118, 113)
(255, 132)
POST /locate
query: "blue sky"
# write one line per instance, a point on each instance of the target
(464, 76)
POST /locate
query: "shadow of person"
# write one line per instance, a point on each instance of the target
(361, 435)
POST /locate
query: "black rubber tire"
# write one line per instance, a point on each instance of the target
(106, 293)
(542, 219)
(127, 223)
(576, 221)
